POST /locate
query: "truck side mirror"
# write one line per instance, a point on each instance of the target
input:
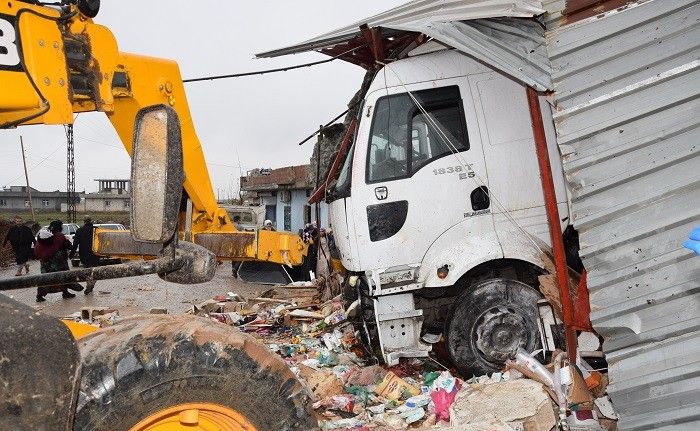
(156, 174)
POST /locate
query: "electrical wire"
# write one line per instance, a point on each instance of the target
(266, 71)
(35, 166)
(329, 123)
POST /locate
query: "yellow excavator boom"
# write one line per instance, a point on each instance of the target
(56, 62)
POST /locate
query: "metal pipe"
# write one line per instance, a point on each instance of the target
(129, 269)
(550, 200)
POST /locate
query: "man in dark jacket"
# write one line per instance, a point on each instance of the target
(82, 241)
(21, 239)
(52, 250)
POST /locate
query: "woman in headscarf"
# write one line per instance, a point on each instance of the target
(52, 249)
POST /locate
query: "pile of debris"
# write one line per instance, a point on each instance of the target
(352, 392)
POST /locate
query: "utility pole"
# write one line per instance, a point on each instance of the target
(70, 177)
(318, 173)
(26, 177)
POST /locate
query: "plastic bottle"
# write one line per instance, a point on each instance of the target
(528, 361)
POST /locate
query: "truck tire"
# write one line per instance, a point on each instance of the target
(155, 368)
(489, 321)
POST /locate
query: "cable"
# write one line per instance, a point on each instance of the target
(36, 165)
(328, 123)
(279, 69)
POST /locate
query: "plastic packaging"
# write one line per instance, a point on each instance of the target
(394, 387)
(413, 415)
(443, 400)
(418, 401)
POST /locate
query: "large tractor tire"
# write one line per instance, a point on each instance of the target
(152, 373)
(489, 321)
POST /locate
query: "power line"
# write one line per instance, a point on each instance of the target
(279, 69)
(36, 165)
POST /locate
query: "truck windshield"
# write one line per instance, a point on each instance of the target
(405, 137)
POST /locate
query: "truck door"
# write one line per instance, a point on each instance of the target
(341, 213)
(418, 170)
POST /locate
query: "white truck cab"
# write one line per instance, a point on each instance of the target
(440, 193)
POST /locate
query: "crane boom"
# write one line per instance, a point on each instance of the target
(56, 63)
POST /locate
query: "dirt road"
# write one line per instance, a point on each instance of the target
(136, 294)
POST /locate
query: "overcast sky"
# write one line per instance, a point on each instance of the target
(258, 120)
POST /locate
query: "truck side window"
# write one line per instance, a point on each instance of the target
(405, 137)
(387, 158)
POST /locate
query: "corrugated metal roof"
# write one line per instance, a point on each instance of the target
(422, 10)
(627, 116)
(487, 30)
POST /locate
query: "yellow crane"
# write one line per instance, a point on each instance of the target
(158, 373)
(54, 65)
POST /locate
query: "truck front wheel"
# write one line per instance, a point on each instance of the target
(489, 321)
(152, 373)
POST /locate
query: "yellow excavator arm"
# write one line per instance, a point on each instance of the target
(56, 62)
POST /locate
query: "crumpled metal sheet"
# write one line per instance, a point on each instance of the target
(415, 11)
(515, 46)
(627, 117)
(499, 33)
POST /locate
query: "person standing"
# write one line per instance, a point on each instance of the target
(52, 249)
(21, 239)
(82, 242)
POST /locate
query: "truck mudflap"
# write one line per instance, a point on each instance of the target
(39, 370)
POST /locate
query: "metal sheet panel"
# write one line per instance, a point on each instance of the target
(426, 10)
(491, 31)
(514, 46)
(627, 114)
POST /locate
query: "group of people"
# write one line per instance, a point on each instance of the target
(53, 250)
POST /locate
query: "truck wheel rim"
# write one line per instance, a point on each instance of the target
(195, 416)
(499, 332)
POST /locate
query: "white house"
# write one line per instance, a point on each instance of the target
(284, 192)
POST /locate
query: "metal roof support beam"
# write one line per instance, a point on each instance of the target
(374, 40)
(550, 201)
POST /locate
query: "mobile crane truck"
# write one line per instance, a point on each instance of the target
(158, 372)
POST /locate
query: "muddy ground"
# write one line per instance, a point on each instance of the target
(136, 294)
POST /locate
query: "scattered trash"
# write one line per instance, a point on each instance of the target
(351, 392)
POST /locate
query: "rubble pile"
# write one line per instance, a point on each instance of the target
(352, 392)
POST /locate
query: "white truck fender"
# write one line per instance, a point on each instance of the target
(465, 245)
(461, 247)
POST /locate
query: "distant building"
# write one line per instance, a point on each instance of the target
(14, 198)
(285, 193)
(113, 195)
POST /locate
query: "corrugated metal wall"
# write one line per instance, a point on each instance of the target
(626, 89)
